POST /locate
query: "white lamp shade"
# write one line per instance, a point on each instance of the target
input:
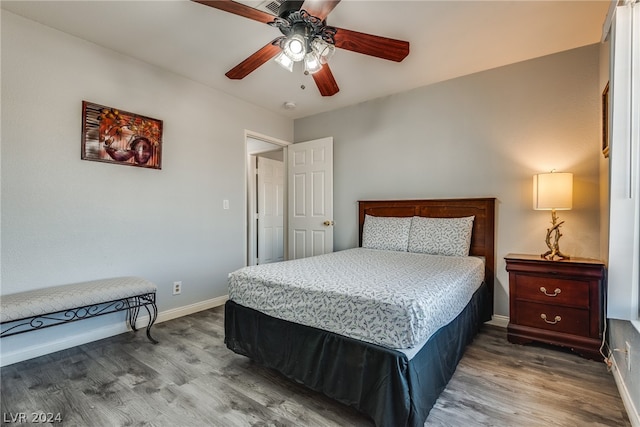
(294, 47)
(312, 63)
(284, 61)
(323, 49)
(553, 191)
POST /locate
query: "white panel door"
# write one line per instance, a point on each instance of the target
(270, 210)
(310, 182)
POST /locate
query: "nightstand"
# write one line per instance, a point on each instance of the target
(556, 302)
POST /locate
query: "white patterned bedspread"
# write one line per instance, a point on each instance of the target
(394, 299)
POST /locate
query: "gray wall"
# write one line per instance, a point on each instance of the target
(66, 220)
(484, 134)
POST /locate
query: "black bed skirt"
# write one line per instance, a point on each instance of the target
(381, 383)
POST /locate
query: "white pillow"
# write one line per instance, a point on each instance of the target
(441, 236)
(389, 233)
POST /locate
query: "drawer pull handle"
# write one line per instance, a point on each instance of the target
(554, 294)
(556, 320)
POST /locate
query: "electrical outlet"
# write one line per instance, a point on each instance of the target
(177, 288)
(627, 354)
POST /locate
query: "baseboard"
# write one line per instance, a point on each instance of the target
(174, 313)
(498, 320)
(632, 411)
(104, 332)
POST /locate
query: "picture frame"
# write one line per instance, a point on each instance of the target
(111, 135)
(605, 121)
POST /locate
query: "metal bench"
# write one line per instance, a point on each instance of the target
(42, 308)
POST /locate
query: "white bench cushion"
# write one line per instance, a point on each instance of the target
(58, 298)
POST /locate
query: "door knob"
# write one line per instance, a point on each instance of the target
(328, 223)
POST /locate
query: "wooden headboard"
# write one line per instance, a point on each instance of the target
(483, 233)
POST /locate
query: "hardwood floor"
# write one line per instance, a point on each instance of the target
(191, 379)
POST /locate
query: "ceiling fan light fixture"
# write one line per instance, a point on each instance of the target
(312, 63)
(295, 47)
(284, 61)
(301, 29)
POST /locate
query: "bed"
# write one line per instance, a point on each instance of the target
(390, 364)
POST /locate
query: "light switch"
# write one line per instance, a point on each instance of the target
(225, 204)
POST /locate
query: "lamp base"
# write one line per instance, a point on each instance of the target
(554, 233)
(550, 255)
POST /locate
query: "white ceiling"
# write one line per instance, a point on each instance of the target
(448, 39)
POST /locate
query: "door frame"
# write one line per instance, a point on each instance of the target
(249, 185)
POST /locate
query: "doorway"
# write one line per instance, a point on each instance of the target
(266, 199)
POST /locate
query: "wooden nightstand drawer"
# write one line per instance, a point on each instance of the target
(553, 318)
(552, 291)
(557, 302)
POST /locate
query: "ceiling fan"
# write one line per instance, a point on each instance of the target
(307, 38)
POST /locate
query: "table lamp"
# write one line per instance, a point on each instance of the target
(553, 191)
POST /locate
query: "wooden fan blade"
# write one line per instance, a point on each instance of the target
(325, 81)
(247, 66)
(319, 8)
(367, 44)
(238, 9)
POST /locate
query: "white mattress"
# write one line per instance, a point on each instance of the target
(394, 299)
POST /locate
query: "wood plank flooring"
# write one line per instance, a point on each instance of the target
(191, 379)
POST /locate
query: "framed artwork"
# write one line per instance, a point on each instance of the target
(605, 121)
(114, 136)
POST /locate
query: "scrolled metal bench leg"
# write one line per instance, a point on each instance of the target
(128, 311)
(133, 312)
(152, 309)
